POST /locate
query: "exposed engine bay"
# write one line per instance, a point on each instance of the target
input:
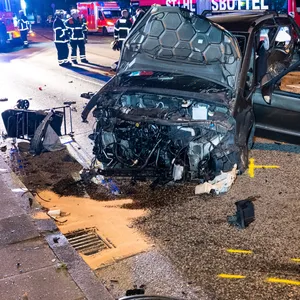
(152, 135)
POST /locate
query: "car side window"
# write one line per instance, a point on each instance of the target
(101, 15)
(275, 51)
(287, 44)
(290, 82)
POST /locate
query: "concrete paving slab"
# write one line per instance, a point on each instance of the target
(24, 257)
(49, 283)
(44, 225)
(9, 206)
(78, 269)
(4, 168)
(11, 186)
(16, 229)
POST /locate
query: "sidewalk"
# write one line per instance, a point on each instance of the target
(36, 260)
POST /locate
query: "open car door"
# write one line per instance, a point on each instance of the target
(280, 118)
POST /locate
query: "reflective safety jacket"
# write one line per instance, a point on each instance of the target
(23, 23)
(77, 29)
(60, 31)
(122, 28)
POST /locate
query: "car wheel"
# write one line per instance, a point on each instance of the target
(104, 31)
(36, 143)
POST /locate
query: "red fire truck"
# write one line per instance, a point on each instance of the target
(100, 16)
(6, 17)
(292, 7)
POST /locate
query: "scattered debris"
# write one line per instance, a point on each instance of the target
(3, 99)
(244, 214)
(71, 81)
(220, 184)
(135, 291)
(41, 128)
(54, 218)
(61, 266)
(23, 104)
(56, 239)
(3, 148)
(88, 95)
(54, 212)
(40, 88)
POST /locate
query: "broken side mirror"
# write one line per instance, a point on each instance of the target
(267, 88)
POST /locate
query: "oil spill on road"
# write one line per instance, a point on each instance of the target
(112, 222)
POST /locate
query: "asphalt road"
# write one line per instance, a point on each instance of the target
(34, 73)
(191, 231)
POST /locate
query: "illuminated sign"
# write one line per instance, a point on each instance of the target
(188, 4)
(238, 5)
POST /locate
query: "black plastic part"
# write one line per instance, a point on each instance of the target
(23, 123)
(244, 214)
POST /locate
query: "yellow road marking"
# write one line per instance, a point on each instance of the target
(295, 259)
(239, 251)
(252, 167)
(285, 281)
(231, 276)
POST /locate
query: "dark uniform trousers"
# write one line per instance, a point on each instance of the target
(24, 37)
(80, 44)
(62, 52)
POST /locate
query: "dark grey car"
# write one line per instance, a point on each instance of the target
(180, 107)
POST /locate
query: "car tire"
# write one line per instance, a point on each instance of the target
(104, 31)
(36, 143)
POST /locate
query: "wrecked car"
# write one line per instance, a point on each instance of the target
(180, 106)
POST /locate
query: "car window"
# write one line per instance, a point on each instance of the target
(275, 49)
(289, 83)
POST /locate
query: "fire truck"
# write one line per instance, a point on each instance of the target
(292, 7)
(100, 16)
(13, 36)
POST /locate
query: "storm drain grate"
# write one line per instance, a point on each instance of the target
(87, 241)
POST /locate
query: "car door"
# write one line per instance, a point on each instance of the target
(280, 120)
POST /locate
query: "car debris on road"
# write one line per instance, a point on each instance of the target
(220, 184)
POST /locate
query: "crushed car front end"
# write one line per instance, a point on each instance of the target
(163, 133)
(168, 113)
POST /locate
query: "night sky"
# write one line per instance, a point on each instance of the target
(44, 6)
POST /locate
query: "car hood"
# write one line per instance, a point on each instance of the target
(176, 40)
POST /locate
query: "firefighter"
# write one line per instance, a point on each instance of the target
(139, 15)
(122, 28)
(77, 32)
(23, 25)
(3, 35)
(61, 39)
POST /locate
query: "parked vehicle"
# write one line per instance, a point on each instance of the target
(13, 37)
(100, 16)
(181, 105)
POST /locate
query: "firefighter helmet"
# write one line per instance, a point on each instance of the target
(74, 12)
(60, 13)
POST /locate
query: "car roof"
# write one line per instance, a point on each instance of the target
(239, 21)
